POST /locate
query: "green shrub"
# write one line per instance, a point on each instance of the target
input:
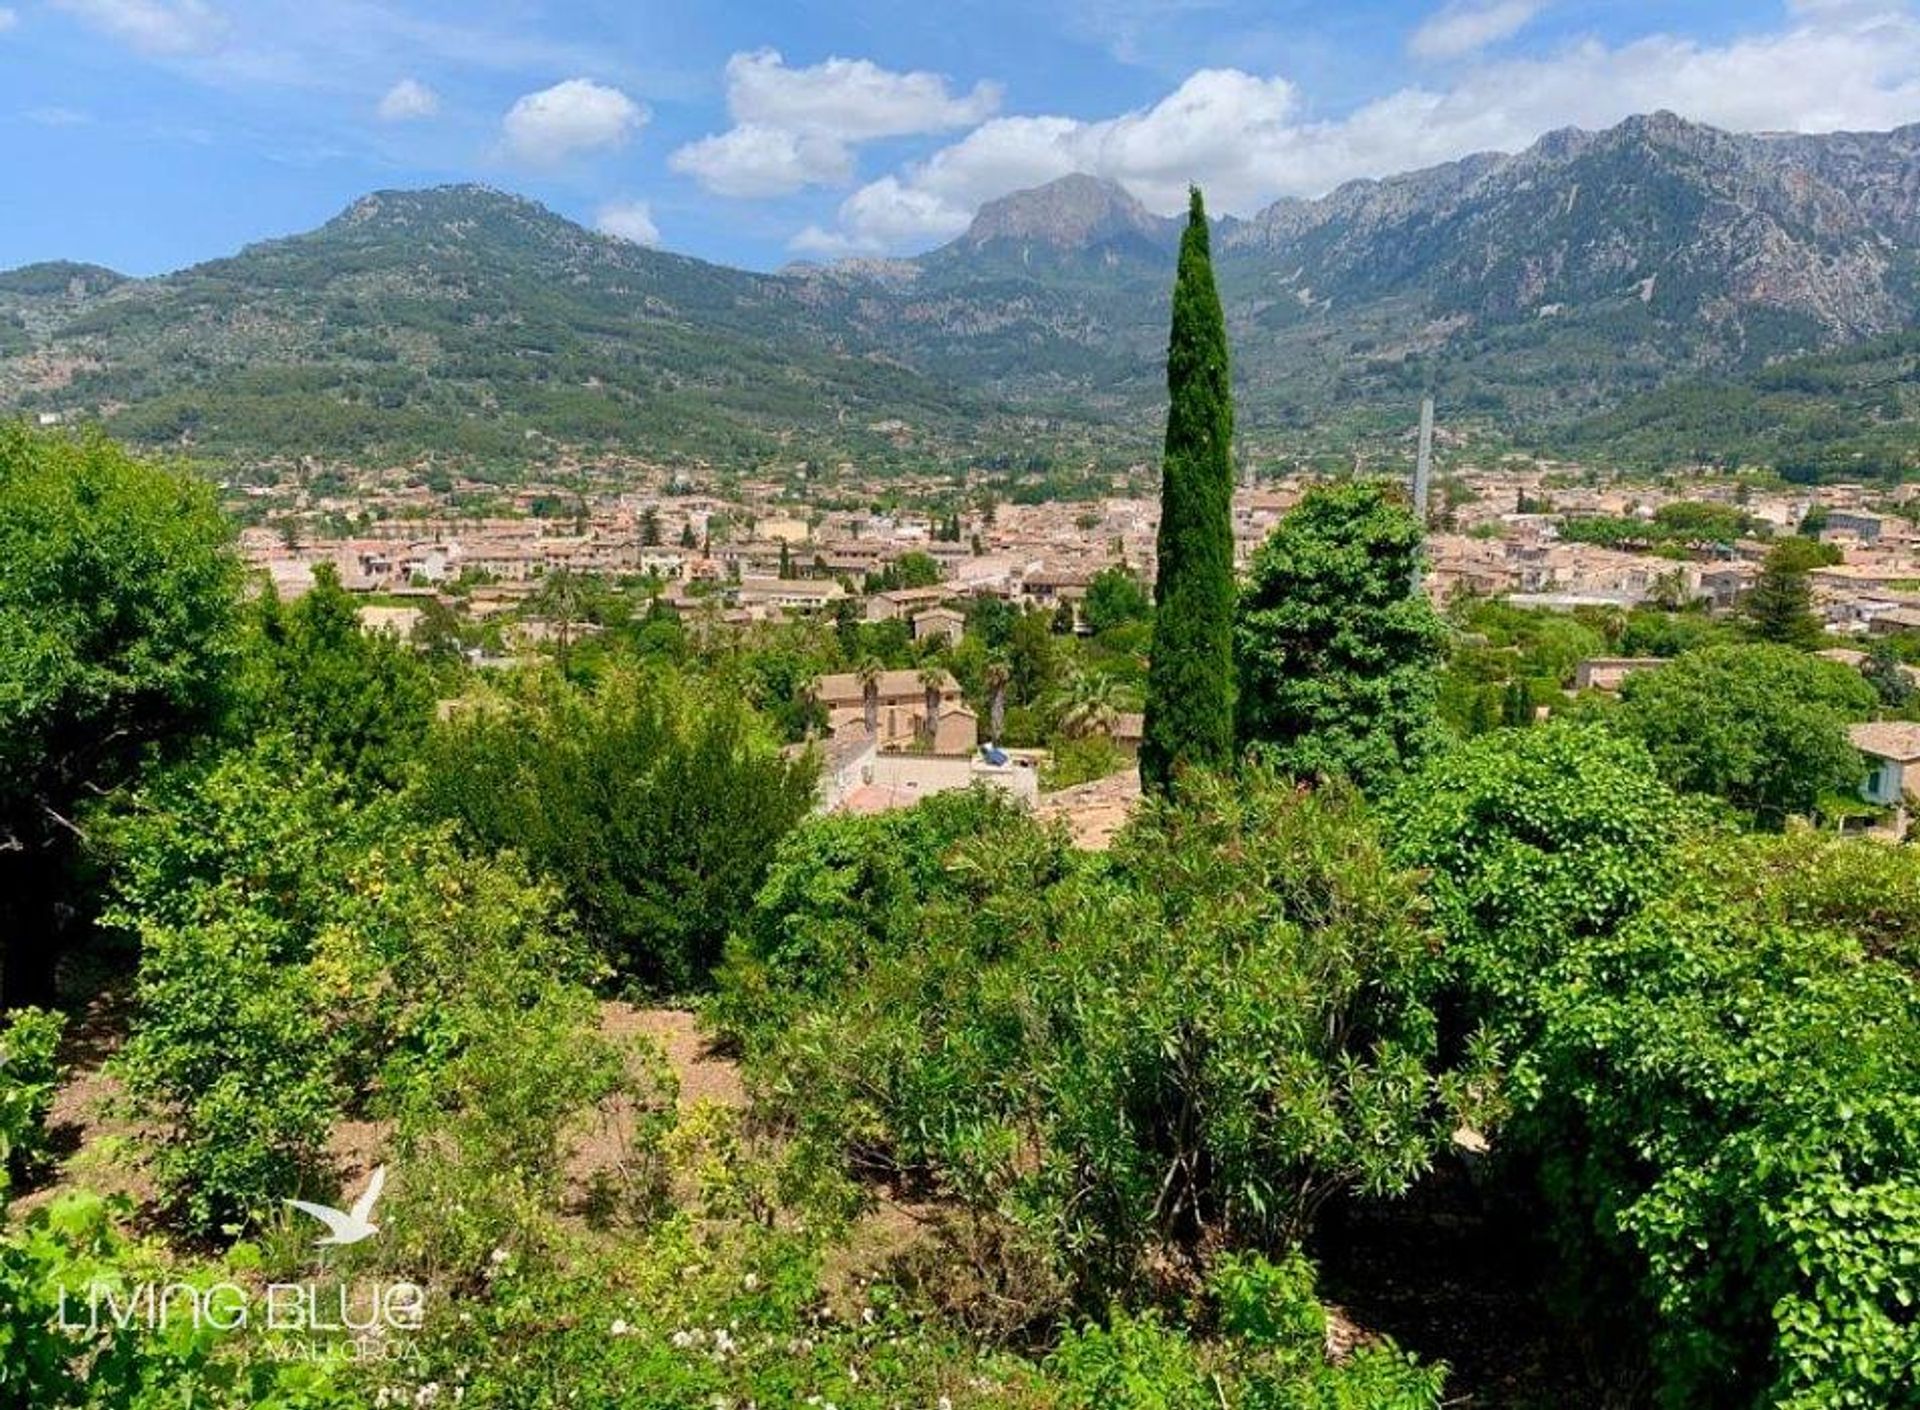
(1763, 727)
(1532, 839)
(29, 1074)
(301, 957)
(79, 1240)
(356, 702)
(842, 892)
(655, 806)
(1135, 1361)
(1197, 1047)
(1725, 1105)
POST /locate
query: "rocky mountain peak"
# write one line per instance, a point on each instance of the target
(1075, 212)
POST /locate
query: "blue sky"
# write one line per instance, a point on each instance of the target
(148, 134)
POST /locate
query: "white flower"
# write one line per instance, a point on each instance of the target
(750, 1282)
(683, 1338)
(498, 1256)
(619, 1327)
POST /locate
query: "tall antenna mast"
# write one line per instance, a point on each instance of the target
(1422, 482)
(1423, 467)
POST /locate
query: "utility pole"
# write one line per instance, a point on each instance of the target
(1423, 479)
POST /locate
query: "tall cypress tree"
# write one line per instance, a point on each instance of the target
(1190, 685)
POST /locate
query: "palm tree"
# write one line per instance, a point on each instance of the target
(998, 676)
(869, 674)
(1090, 707)
(934, 681)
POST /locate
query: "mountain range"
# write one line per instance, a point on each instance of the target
(1535, 293)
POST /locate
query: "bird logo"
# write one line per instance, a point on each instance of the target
(354, 1225)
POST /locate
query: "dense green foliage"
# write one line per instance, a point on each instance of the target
(299, 952)
(81, 1240)
(117, 585)
(1683, 523)
(1194, 1045)
(1780, 607)
(1763, 727)
(1189, 711)
(1728, 1101)
(29, 1071)
(1833, 416)
(655, 805)
(1532, 839)
(1710, 1063)
(1338, 652)
(354, 701)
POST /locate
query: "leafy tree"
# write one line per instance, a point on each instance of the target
(910, 570)
(1032, 658)
(654, 805)
(117, 593)
(1532, 839)
(437, 635)
(305, 958)
(1116, 598)
(918, 570)
(1088, 705)
(1720, 1099)
(991, 619)
(1780, 607)
(355, 701)
(1763, 727)
(1339, 656)
(1189, 715)
(30, 1071)
(1888, 676)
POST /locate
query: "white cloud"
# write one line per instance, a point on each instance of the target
(852, 99)
(8, 19)
(1469, 26)
(160, 27)
(628, 220)
(576, 116)
(408, 101)
(57, 116)
(1836, 64)
(796, 127)
(752, 160)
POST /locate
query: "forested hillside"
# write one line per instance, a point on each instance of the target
(1531, 293)
(1847, 415)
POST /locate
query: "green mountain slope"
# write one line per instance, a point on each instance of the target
(1533, 293)
(464, 319)
(1847, 415)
